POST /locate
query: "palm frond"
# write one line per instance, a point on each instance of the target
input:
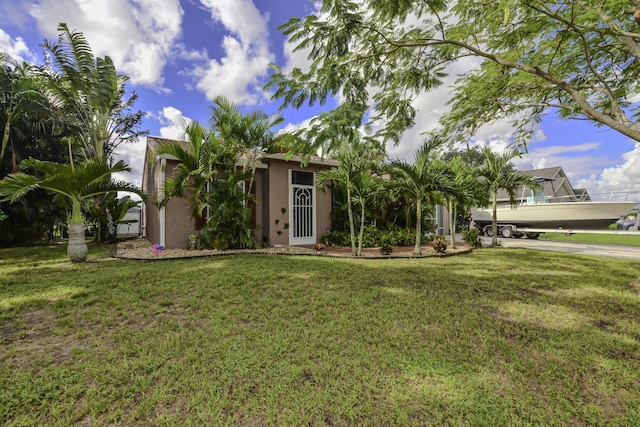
(16, 185)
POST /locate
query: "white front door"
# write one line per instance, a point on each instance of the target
(302, 208)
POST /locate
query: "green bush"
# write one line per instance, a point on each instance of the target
(385, 244)
(472, 237)
(391, 235)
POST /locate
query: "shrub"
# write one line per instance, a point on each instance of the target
(472, 237)
(391, 235)
(336, 238)
(386, 246)
(439, 244)
(194, 242)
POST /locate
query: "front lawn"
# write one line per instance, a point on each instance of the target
(497, 337)
(612, 239)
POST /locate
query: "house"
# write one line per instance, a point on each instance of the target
(131, 224)
(555, 187)
(288, 208)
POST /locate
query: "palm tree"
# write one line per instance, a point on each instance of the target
(464, 184)
(246, 136)
(19, 94)
(198, 156)
(357, 161)
(72, 183)
(367, 188)
(420, 181)
(89, 95)
(499, 174)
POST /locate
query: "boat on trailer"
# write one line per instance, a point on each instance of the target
(538, 211)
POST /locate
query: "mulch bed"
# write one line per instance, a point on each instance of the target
(140, 249)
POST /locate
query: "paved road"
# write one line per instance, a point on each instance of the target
(598, 249)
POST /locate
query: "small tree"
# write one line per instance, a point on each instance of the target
(357, 161)
(420, 181)
(20, 94)
(499, 174)
(464, 184)
(72, 183)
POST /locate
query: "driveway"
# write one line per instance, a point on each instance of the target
(598, 249)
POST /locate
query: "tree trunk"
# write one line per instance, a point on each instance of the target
(361, 236)
(452, 224)
(5, 135)
(494, 221)
(417, 250)
(352, 230)
(77, 249)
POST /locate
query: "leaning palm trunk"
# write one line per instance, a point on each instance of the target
(361, 236)
(352, 230)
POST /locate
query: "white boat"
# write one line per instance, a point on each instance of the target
(567, 215)
(572, 211)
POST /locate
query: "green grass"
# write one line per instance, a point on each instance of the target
(613, 239)
(497, 337)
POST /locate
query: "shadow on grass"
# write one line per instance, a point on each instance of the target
(494, 338)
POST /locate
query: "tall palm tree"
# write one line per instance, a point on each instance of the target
(464, 186)
(357, 161)
(19, 94)
(198, 157)
(420, 181)
(72, 183)
(89, 95)
(499, 174)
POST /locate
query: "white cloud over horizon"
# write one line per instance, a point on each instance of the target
(138, 35)
(16, 48)
(239, 74)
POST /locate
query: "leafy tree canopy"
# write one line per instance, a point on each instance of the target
(578, 57)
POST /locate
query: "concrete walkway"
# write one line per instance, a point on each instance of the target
(597, 249)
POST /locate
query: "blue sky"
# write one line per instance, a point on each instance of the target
(180, 55)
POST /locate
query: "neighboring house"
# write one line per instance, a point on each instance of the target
(555, 187)
(135, 226)
(288, 208)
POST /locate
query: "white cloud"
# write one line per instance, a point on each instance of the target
(293, 127)
(173, 123)
(16, 48)
(137, 34)
(621, 178)
(238, 75)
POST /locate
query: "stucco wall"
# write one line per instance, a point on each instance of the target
(272, 195)
(151, 220)
(178, 221)
(279, 198)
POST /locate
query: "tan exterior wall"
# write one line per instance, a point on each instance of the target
(278, 190)
(271, 186)
(258, 203)
(151, 219)
(178, 221)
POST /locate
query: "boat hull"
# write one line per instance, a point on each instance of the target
(583, 215)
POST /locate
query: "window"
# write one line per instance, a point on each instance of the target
(301, 178)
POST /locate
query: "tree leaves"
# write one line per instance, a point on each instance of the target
(573, 56)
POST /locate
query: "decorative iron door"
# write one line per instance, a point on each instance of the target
(302, 209)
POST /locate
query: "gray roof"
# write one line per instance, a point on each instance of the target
(556, 186)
